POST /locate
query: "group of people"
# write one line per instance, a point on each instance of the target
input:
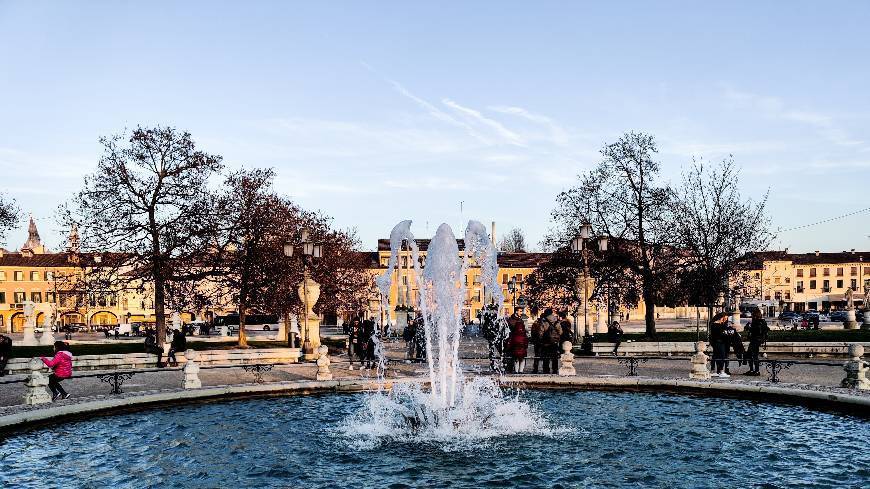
(724, 337)
(177, 344)
(547, 334)
(362, 340)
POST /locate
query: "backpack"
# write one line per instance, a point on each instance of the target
(553, 333)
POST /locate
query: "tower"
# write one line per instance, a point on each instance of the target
(33, 243)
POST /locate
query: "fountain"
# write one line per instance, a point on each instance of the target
(453, 407)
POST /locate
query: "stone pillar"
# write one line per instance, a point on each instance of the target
(37, 384)
(311, 322)
(47, 338)
(850, 322)
(282, 331)
(323, 362)
(191, 370)
(401, 322)
(29, 338)
(700, 368)
(566, 360)
(856, 371)
(866, 324)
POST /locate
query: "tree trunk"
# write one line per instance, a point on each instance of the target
(243, 338)
(650, 313)
(159, 308)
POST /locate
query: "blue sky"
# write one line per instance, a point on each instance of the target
(376, 112)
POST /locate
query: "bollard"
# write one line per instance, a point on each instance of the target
(856, 371)
(323, 362)
(37, 384)
(191, 371)
(566, 360)
(700, 370)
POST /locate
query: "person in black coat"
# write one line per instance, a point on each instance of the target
(153, 348)
(719, 340)
(757, 330)
(179, 343)
(353, 332)
(5, 353)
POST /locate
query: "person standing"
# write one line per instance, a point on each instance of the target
(179, 343)
(518, 341)
(537, 327)
(352, 330)
(550, 336)
(757, 330)
(567, 328)
(61, 366)
(719, 340)
(5, 353)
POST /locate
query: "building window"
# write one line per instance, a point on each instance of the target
(2, 276)
(36, 296)
(767, 281)
(866, 270)
(812, 272)
(2, 297)
(34, 276)
(788, 280)
(504, 279)
(757, 275)
(826, 285)
(812, 284)
(839, 284)
(49, 276)
(839, 271)
(800, 286)
(19, 275)
(776, 280)
(826, 272)
(50, 297)
(788, 295)
(854, 284)
(800, 272)
(853, 271)
(20, 297)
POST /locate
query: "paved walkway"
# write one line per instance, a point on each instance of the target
(474, 362)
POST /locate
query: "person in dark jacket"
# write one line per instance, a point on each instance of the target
(353, 331)
(179, 343)
(719, 340)
(614, 335)
(567, 328)
(535, 340)
(757, 330)
(369, 332)
(153, 348)
(5, 353)
(518, 341)
(550, 336)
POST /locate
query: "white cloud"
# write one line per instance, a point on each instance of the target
(503, 133)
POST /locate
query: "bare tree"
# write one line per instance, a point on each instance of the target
(623, 198)
(717, 227)
(9, 216)
(513, 242)
(148, 202)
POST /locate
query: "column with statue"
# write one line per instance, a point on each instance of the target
(850, 322)
(29, 338)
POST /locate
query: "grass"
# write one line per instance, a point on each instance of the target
(845, 336)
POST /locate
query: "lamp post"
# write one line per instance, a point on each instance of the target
(310, 251)
(580, 244)
(512, 289)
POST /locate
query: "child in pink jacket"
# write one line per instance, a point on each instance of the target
(61, 365)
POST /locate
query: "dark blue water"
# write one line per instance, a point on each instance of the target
(611, 440)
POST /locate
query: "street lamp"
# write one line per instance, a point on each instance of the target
(512, 289)
(310, 250)
(580, 244)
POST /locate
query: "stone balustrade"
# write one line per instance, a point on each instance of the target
(787, 348)
(146, 360)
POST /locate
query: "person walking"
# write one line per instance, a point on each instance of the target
(550, 336)
(61, 366)
(152, 347)
(5, 353)
(757, 330)
(179, 343)
(614, 335)
(369, 332)
(719, 340)
(518, 341)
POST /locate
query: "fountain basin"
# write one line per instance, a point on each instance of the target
(598, 438)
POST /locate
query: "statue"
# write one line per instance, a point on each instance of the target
(867, 297)
(850, 303)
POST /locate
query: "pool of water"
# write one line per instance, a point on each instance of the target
(596, 439)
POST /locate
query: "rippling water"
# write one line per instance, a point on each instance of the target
(605, 439)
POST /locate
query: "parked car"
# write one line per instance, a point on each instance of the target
(73, 328)
(124, 329)
(265, 322)
(789, 315)
(838, 316)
